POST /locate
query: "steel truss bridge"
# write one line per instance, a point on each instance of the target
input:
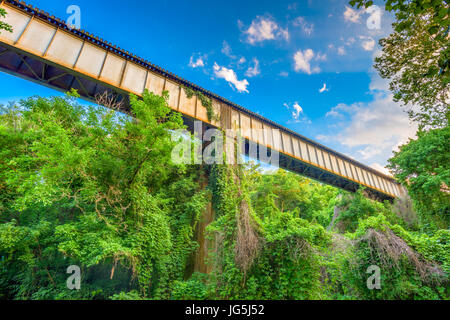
(43, 49)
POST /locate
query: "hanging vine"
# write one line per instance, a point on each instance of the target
(206, 102)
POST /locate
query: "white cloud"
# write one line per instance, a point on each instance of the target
(371, 131)
(284, 74)
(332, 113)
(296, 110)
(380, 168)
(375, 128)
(264, 28)
(350, 41)
(302, 60)
(226, 50)
(369, 152)
(320, 57)
(324, 88)
(367, 43)
(197, 62)
(341, 109)
(284, 34)
(230, 76)
(341, 51)
(255, 70)
(323, 138)
(352, 15)
(308, 28)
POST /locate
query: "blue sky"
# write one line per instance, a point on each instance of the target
(304, 64)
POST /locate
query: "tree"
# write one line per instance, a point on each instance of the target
(423, 166)
(416, 58)
(285, 191)
(94, 188)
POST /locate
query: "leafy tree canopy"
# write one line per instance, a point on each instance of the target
(416, 58)
(423, 165)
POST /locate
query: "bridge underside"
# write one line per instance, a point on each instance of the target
(33, 68)
(294, 165)
(19, 63)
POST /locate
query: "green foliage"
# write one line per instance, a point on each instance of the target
(288, 192)
(416, 58)
(356, 207)
(298, 259)
(413, 266)
(423, 166)
(132, 295)
(205, 101)
(95, 188)
(287, 262)
(92, 187)
(406, 9)
(195, 288)
(3, 25)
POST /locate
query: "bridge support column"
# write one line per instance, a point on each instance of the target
(199, 261)
(337, 211)
(403, 207)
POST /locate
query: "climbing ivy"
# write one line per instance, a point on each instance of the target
(206, 102)
(4, 25)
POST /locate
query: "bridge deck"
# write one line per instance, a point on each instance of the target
(45, 50)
